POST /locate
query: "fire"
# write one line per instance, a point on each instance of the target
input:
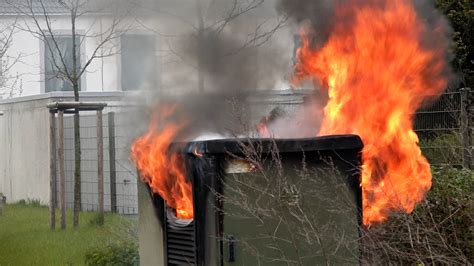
(262, 129)
(161, 168)
(378, 71)
(263, 126)
(197, 152)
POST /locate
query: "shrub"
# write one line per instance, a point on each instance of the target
(124, 253)
(443, 149)
(439, 231)
(30, 202)
(95, 220)
(451, 202)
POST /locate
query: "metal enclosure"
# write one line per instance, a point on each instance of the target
(262, 202)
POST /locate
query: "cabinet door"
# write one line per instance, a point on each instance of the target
(303, 211)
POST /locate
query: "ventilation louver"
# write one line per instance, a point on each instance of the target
(180, 242)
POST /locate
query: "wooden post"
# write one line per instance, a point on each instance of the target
(62, 181)
(52, 169)
(465, 129)
(100, 161)
(113, 188)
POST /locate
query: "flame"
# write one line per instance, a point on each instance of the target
(161, 168)
(262, 129)
(197, 152)
(378, 72)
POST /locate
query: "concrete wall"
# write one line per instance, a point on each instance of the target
(25, 146)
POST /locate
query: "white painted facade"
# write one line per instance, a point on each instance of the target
(103, 74)
(174, 73)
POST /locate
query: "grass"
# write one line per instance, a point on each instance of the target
(25, 237)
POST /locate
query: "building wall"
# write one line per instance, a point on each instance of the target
(175, 72)
(24, 160)
(25, 145)
(103, 74)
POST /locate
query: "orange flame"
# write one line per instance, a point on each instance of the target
(378, 72)
(161, 168)
(197, 152)
(263, 131)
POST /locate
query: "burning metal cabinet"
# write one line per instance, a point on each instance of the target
(261, 202)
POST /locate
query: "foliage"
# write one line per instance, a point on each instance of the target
(95, 220)
(124, 253)
(451, 200)
(30, 202)
(27, 240)
(461, 16)
(439, 231)
(443, 149)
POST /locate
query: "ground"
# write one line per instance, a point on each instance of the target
(25, 237)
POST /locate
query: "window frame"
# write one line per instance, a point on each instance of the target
(82, 58)
(157, 77)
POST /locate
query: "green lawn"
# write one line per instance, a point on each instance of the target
(25, 237)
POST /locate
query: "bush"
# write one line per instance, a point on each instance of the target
(439, 231)
(124, 253)
(95, 220)
(451, 201)
(30, 202)
(443, 149)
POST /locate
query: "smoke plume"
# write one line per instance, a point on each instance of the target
(214, 55)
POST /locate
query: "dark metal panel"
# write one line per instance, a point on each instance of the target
(202, 242)
(239, 223)
(322, 143)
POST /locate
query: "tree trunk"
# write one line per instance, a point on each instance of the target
(77, 159)
(77, 133)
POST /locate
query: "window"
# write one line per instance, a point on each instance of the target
(138, 62)
(53, 80)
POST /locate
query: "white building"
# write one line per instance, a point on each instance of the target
(27, 61)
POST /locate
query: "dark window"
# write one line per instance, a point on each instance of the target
(55, 54)
(138, 62)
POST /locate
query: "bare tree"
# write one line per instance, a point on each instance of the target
(10, 82)
(66, 66)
